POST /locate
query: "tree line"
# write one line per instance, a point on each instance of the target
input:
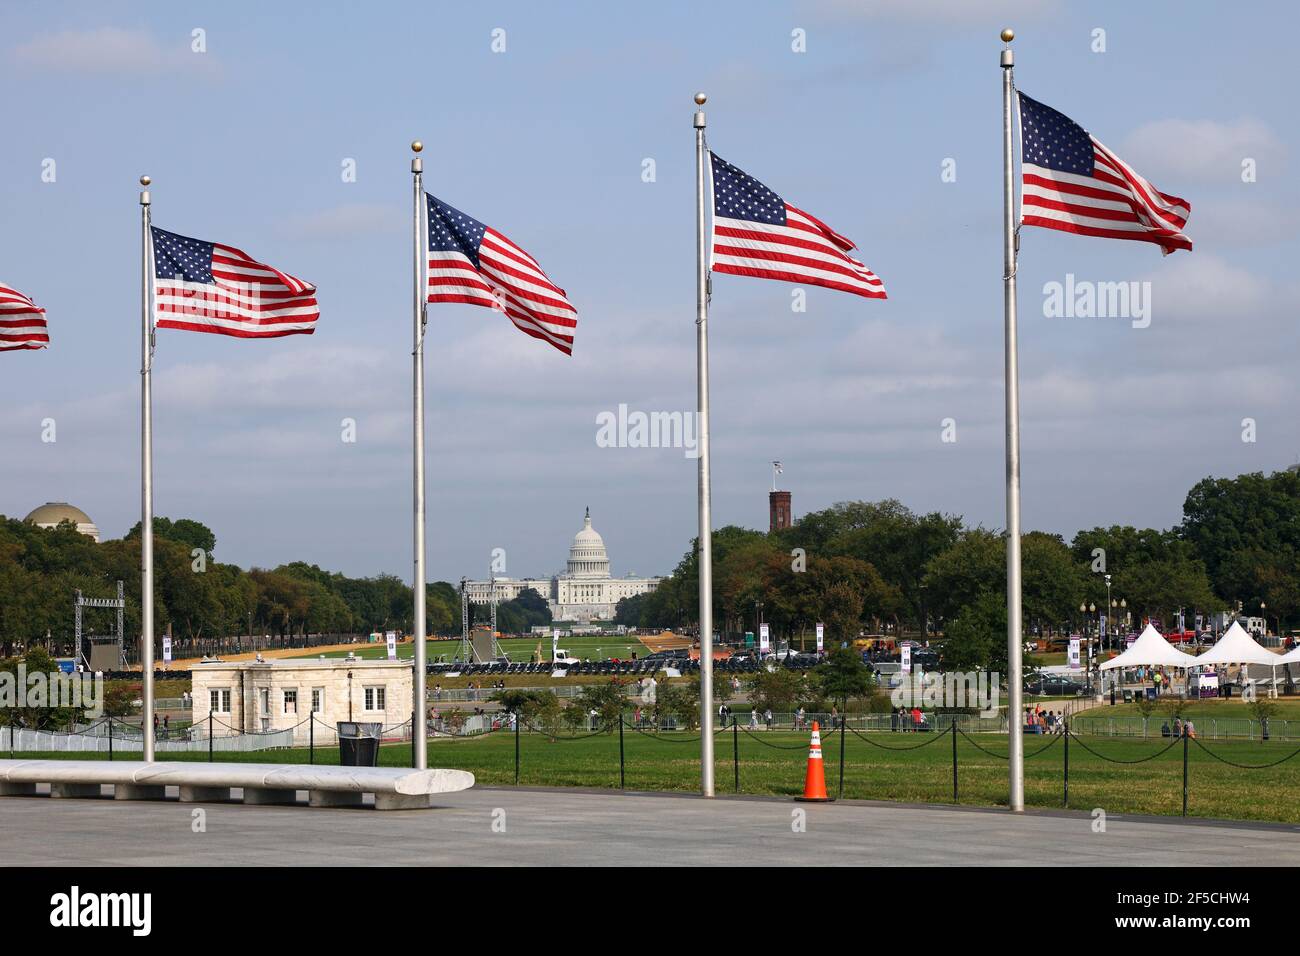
(197, 596)
(860, 565)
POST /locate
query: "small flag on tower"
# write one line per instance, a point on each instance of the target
(22, 321)
(757, 233)
(473, 263)
(207, 287)
(1074, 183)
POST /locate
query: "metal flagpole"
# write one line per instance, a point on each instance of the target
(146, 471)
(1015, 723)
(706, 521)
(419, 726)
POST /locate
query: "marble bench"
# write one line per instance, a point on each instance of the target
(394, 788)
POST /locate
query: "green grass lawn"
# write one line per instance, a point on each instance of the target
(161, 688)
(519, 649)
(773, 764)
(1045, 658)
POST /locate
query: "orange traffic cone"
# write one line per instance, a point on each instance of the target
(814, 781)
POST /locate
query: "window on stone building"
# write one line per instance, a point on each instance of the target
(375, 698)
(219, 700)
(317, 699)
(291, 700)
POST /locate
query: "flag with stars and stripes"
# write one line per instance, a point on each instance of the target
(470, 262)
(1073, 183)
(207, 287)
(22, 321)
(757, 233)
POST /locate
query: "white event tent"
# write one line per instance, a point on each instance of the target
(1149, 650)
(1238, 647)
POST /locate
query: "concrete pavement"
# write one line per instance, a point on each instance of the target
(487, 826)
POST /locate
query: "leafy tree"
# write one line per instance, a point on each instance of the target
(844, 677)
(898, 543)
(842, 612)
(679, 701)
(48, 717)
(608, 700)
(629, 609)
(520, 615)
(780, 689)
(185, 531)
(1252, 513)
(1262, 709)
(976, 639)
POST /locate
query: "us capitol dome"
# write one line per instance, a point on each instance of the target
(585, 592)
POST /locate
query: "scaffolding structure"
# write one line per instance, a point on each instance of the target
(119, 604)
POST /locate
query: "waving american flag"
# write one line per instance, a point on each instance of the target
(1074, 183)
(757, 233)
(470, 262)
(207, 287)
(22, 321)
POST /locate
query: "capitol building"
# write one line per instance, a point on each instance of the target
(584, 592)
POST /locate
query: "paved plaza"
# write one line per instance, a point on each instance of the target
(486, 826)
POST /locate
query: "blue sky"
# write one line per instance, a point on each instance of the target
(546, 142)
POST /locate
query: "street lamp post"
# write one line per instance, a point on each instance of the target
(1092, 657)
(1109, 608)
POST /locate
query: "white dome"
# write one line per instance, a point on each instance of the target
(587, 557)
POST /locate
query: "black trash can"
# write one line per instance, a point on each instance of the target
(358, 743)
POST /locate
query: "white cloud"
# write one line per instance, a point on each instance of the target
(1202, 150)
(113, 50)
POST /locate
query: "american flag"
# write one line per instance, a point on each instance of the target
(22, 321)
(207, 287)
(470, 262)
(1074, 183)
(757, 233)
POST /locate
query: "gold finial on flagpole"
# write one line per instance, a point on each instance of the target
(416, 146)
(145, 180)
(1008, 34)
(700, 99)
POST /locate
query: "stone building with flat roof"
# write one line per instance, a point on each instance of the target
(263, 696)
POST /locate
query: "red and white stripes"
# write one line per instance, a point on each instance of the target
(22, 321)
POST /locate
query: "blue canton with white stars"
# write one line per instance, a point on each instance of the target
(737, 195)
(174, 255)
(1054, 141)
(450, 230)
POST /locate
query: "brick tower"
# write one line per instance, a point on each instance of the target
(779, 514)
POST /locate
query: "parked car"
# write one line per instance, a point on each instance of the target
(1055, 687)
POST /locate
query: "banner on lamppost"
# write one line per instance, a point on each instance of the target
(764, 639)
(905, 659)
(1075, 663)
(167, 649)
(821, 637)
(392, 645)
